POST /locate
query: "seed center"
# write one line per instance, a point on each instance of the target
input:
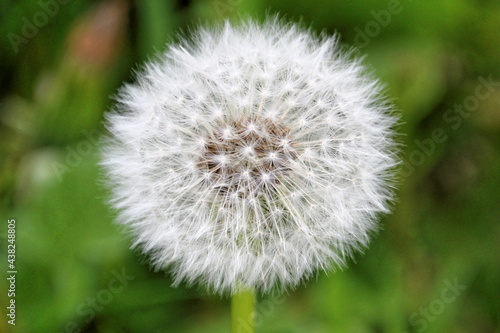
(244, 157)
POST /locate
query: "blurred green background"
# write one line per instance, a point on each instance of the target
(433, 267)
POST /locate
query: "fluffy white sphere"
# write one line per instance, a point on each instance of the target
(253, 153)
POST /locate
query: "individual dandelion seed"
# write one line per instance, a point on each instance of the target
(252, 155)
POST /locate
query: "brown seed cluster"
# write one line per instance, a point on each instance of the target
(243, 155)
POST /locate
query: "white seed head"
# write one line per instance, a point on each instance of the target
(255, 153)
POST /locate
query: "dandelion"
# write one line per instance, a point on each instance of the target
(253, 155)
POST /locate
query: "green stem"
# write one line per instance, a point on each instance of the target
(243, 311)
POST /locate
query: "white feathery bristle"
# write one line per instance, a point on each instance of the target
(254, 154)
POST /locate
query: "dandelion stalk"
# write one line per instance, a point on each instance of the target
(243, 311)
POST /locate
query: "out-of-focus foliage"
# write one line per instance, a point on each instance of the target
(58, 73)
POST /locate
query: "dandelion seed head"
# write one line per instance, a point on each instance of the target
(254, 153)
